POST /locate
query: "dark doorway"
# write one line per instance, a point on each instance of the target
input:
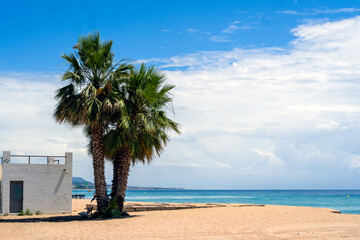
(16, 196)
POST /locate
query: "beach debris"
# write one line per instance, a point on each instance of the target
(336, 211)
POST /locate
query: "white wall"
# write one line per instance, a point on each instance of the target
(47, 187)
(0, 188)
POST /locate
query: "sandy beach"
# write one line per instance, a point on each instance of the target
(267, 222)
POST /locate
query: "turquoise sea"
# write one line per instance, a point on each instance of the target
(347, 201)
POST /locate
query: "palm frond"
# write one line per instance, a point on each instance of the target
(142, 123)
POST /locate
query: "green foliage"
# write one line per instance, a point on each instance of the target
(140, 132)
(21, 213)
(6, 214)
(107, 96)
(111, 211)
(118, 214)
(38, 213)
(27, 212)
(143, 126)
(89, 97)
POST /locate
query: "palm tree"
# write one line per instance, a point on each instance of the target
(89, 99)
(142, 131)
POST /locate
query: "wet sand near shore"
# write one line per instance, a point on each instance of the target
(230, 222)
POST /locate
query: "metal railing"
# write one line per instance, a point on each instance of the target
(40, 156)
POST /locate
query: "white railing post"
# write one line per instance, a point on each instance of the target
(6, 157)
(5, 183)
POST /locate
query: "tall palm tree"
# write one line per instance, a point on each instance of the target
(142, 131)
(89, 99)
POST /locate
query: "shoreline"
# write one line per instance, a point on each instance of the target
(345, 201)
(247, 222)
(228, 204)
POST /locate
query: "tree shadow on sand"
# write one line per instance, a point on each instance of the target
(55, 219)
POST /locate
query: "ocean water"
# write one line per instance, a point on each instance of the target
(347, 201)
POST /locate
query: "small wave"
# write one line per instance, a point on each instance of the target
(187, 197)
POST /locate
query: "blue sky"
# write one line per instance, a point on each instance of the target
(267, 91)
(35, 33)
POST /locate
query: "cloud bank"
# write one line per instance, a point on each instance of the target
(251, 118)
(320, 11)
(274, 117)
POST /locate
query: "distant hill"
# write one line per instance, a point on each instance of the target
(78, 180)
(80, 183)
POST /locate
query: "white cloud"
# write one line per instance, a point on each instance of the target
(355, 161)
(220, 39)
(290, 12)
(273, 160)
(234, 26)
(295, 108)
(329, 126)
(290, 100)
(316, 154)
(339, 10)
(320, 11)
(191, 30)
(326, 108)
(176, 164)
(27, 124)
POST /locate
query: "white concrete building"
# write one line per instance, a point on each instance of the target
(45, 187)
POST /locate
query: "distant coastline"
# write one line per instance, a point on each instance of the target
(81, 184)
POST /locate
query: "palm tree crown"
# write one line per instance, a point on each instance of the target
(142, 131)
(89, 95)
(89, 99)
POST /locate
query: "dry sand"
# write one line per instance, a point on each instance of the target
(269, 222)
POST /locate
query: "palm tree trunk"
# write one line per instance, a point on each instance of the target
(121, 165)
(97, 150)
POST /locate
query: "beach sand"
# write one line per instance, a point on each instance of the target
(268, 222)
